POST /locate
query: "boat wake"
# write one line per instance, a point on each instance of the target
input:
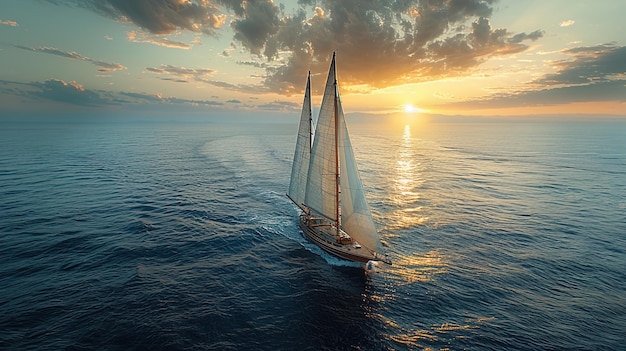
(371, 267)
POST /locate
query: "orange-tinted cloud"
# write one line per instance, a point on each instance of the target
(379, 43)
(9, 23)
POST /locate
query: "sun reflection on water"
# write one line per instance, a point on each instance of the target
(418, 268)
(415, 269)
(407, 180)
(436, 333)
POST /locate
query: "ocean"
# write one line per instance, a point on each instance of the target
(174, 233)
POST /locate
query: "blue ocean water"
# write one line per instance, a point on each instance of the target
(134, 233)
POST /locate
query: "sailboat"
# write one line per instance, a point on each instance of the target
(325, 182)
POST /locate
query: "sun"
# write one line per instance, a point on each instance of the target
(408, 108)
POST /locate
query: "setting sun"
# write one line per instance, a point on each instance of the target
(408, 108)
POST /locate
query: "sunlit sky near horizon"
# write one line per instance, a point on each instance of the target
(474, 57)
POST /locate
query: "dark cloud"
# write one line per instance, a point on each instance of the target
(104, 66)
(256, 22)
(603, 91)
(589, 65)
(73, 93)
(60, 91)
(68, 92)
(158, 16)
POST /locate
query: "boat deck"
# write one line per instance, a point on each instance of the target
(324, 234)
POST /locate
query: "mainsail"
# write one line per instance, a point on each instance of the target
(321, 188)
(300, 167)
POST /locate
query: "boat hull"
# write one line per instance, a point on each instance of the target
(348, 252)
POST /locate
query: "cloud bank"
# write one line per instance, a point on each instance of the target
(72, 92)
(593, 73)
(380, 43)
(68, 92)
(75, 94)
(385, 43)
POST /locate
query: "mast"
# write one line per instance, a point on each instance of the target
(308, 91)
(337, 176)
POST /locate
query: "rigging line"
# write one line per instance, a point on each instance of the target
(301, 206)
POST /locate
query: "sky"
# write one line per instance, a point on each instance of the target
(450, 57)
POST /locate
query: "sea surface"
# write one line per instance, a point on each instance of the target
(174, 233)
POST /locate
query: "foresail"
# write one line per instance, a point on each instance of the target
(300, 166)
(356, 217)
(321, 183)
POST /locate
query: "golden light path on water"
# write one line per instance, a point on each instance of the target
(417, 268)
(406, 274)
(409, 271)
(408, 179)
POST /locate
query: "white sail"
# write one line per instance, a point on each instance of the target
(356, 218)
(300, 167)
(321, 192)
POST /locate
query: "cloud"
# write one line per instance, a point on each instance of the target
(588, 65)
(158, 16)
(9, 23)
(184, 74)
(604, 91)
(256, 22)
(104, 66)
(138, 37)
(567, 23)
(160, 99)
(595, 73)
(74, 93)
(379, 43)
(280, 106)
(68, 92)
